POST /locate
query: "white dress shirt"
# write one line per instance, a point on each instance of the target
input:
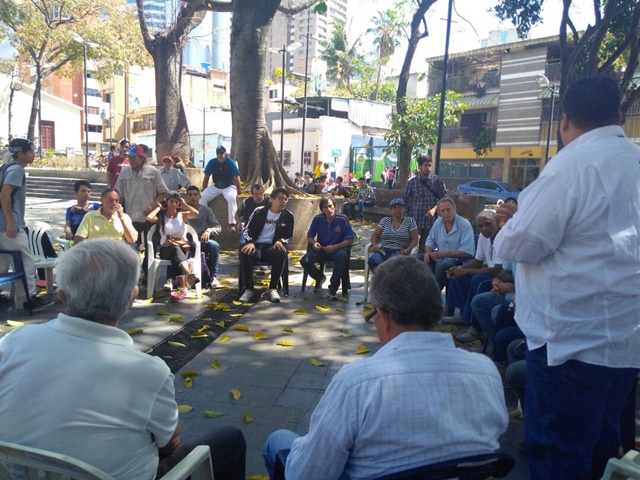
(576, 237)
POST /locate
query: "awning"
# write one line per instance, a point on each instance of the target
(486, 101)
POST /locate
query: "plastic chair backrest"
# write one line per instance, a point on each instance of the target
(36, 231)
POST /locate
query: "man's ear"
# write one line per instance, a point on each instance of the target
(63, 298)
(136, 290)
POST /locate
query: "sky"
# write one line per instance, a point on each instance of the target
(466, 32)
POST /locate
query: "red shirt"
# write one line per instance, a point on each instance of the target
(116, 164)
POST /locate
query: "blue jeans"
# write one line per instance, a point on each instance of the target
(377, 258)
(572, 416)
(339, 257)
(362, 204)
(278, 440)
(439, 269)
(460, 292)
(482, 306)
(211, 250)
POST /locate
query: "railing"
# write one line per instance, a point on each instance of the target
(464, 82)
(467, 134)
(553, 71)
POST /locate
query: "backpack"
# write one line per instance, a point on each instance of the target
(3, 171)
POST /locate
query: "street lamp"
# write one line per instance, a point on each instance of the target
(84, 43)
(283, 50)
(443, 93)
(543, 81)
(306, 71)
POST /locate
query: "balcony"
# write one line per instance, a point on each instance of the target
(477, 82)
(458, 135)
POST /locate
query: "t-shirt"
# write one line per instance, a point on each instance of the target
(14, 176)
(248, 205)
(332, 233)
(269, 229)
(397, 239)
(174, 228)
(76, 218)
(222, 173)
(115, 166)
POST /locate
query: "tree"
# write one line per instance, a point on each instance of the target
(344, 61)
(387, 29)
(10, 67)
(610, 43)
(41, 31)
(417, 125)
(165, 47)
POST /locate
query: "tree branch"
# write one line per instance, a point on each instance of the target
(214, 6)
(144, 29)
(296, 7)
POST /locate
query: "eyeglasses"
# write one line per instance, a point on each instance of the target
(370, 316)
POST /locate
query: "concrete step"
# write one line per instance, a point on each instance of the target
(59, 188)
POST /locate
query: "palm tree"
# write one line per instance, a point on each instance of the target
(343, 59)
(387, 29)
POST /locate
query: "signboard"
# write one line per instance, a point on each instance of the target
(336, 152)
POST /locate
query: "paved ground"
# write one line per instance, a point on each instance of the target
(279, 385)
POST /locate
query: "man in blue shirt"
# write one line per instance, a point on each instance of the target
(76, 213)
(329, 236)
(226, 182)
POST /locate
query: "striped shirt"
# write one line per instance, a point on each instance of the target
(397, 239)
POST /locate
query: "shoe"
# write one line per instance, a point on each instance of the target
(246, 296)
(453, 320)
(264, 268)
(470, 335)
(232, 227)
(179, 295)
(319, 283)
(38, 303)
(274, 297)
(214, 282)
(332, 295)
(192, 280)
(168, 286)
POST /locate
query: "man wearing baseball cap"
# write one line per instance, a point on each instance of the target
(226, 182)
(13, 196)
(117, 163)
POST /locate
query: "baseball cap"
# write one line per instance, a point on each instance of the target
(221, 149)
(397, 201)
(171, 194)
(135, 150)
(18, 145)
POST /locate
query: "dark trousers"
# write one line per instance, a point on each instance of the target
(142, 228)
(460, 292)
(175, 254)
(572, 416)
(264, 252)
(228, 452)
(340, 258)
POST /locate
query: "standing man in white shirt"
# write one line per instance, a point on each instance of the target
(578, 287)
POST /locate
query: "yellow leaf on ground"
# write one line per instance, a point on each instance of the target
(162, 313)
(189, 373)
(285, 344)
(225, 289)
(184, 408)
(366, 312)
(199, 335)
(222, 306)
(340, 309)
(300, 312)
(135, 331)
(247, 418)
(362, 349)
(346, 335)
(210, 414)
(188, 382)
(235, 394)
(323, 308)
(225, 339)
(240, 327)
(149, 351)
(225, 282)
(260, 336)
(210, 305)
(235, 314)
(248, 304)
(217, 365)
(343, 299)
(368, 306)
(237, 302)
(204, 327)
(13, 323)
(316, 363)
(233, 275)
(220, 324)
(176, 318)
(176, 344)
(288, 329)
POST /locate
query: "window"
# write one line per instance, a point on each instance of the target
(524, 171)
(93, 110)
(93, 92)
(307, 158)
(286, 158)
(95, 128)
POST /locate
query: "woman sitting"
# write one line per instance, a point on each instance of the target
(174, 244)
(399, 235)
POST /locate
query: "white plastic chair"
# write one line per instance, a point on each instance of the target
(36, 231)
(18, 462)
(627, 467)
(154, 264)
(366, 269)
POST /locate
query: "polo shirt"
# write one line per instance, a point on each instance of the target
(330, 233)
(139, 190)
(459, 238)
(83, 389)
(96, 225)
(222, 173)
(75, 219)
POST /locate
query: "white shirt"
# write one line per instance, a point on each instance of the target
(487, 252)
(174, 228)
(82, 389)
(406, 406)
(576, 237)
(269, 229)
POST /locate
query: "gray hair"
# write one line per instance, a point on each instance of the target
(405, 288)
(446, 200)
(98, 278)
(490, 214)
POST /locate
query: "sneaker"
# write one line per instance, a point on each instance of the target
(214, 282)
(179, 295)
(37, 303)
(453, 320)
(332, 295)
(168, 286)
(246, 296)
(470, 335)
(319, 283)
(274, 297)
(192, 280)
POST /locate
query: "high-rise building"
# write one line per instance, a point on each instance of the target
(159, 13)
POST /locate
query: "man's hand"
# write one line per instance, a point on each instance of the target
(12, 231)
(248, 249)
(239, 227)
(316, 246)
(205, 236)
(78, 208)
(120, 211)
(330, 248)
(431, 213)
(456, 272)
(280, 246)
(433, 256)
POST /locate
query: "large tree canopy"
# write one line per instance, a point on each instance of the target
(42, 33)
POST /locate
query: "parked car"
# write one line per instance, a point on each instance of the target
(492, 190)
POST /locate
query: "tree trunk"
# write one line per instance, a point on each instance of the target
(35, 106)
(253, 147)
(172, 131)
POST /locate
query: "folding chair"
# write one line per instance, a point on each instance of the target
(36, 233)
(345, 280)
(627, 467)
(17, 274)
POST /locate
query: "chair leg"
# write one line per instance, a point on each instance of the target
(366, 281)
(48, 275)
(304, 280)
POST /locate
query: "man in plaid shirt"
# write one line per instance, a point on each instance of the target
(421, 195)
(363, 197)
